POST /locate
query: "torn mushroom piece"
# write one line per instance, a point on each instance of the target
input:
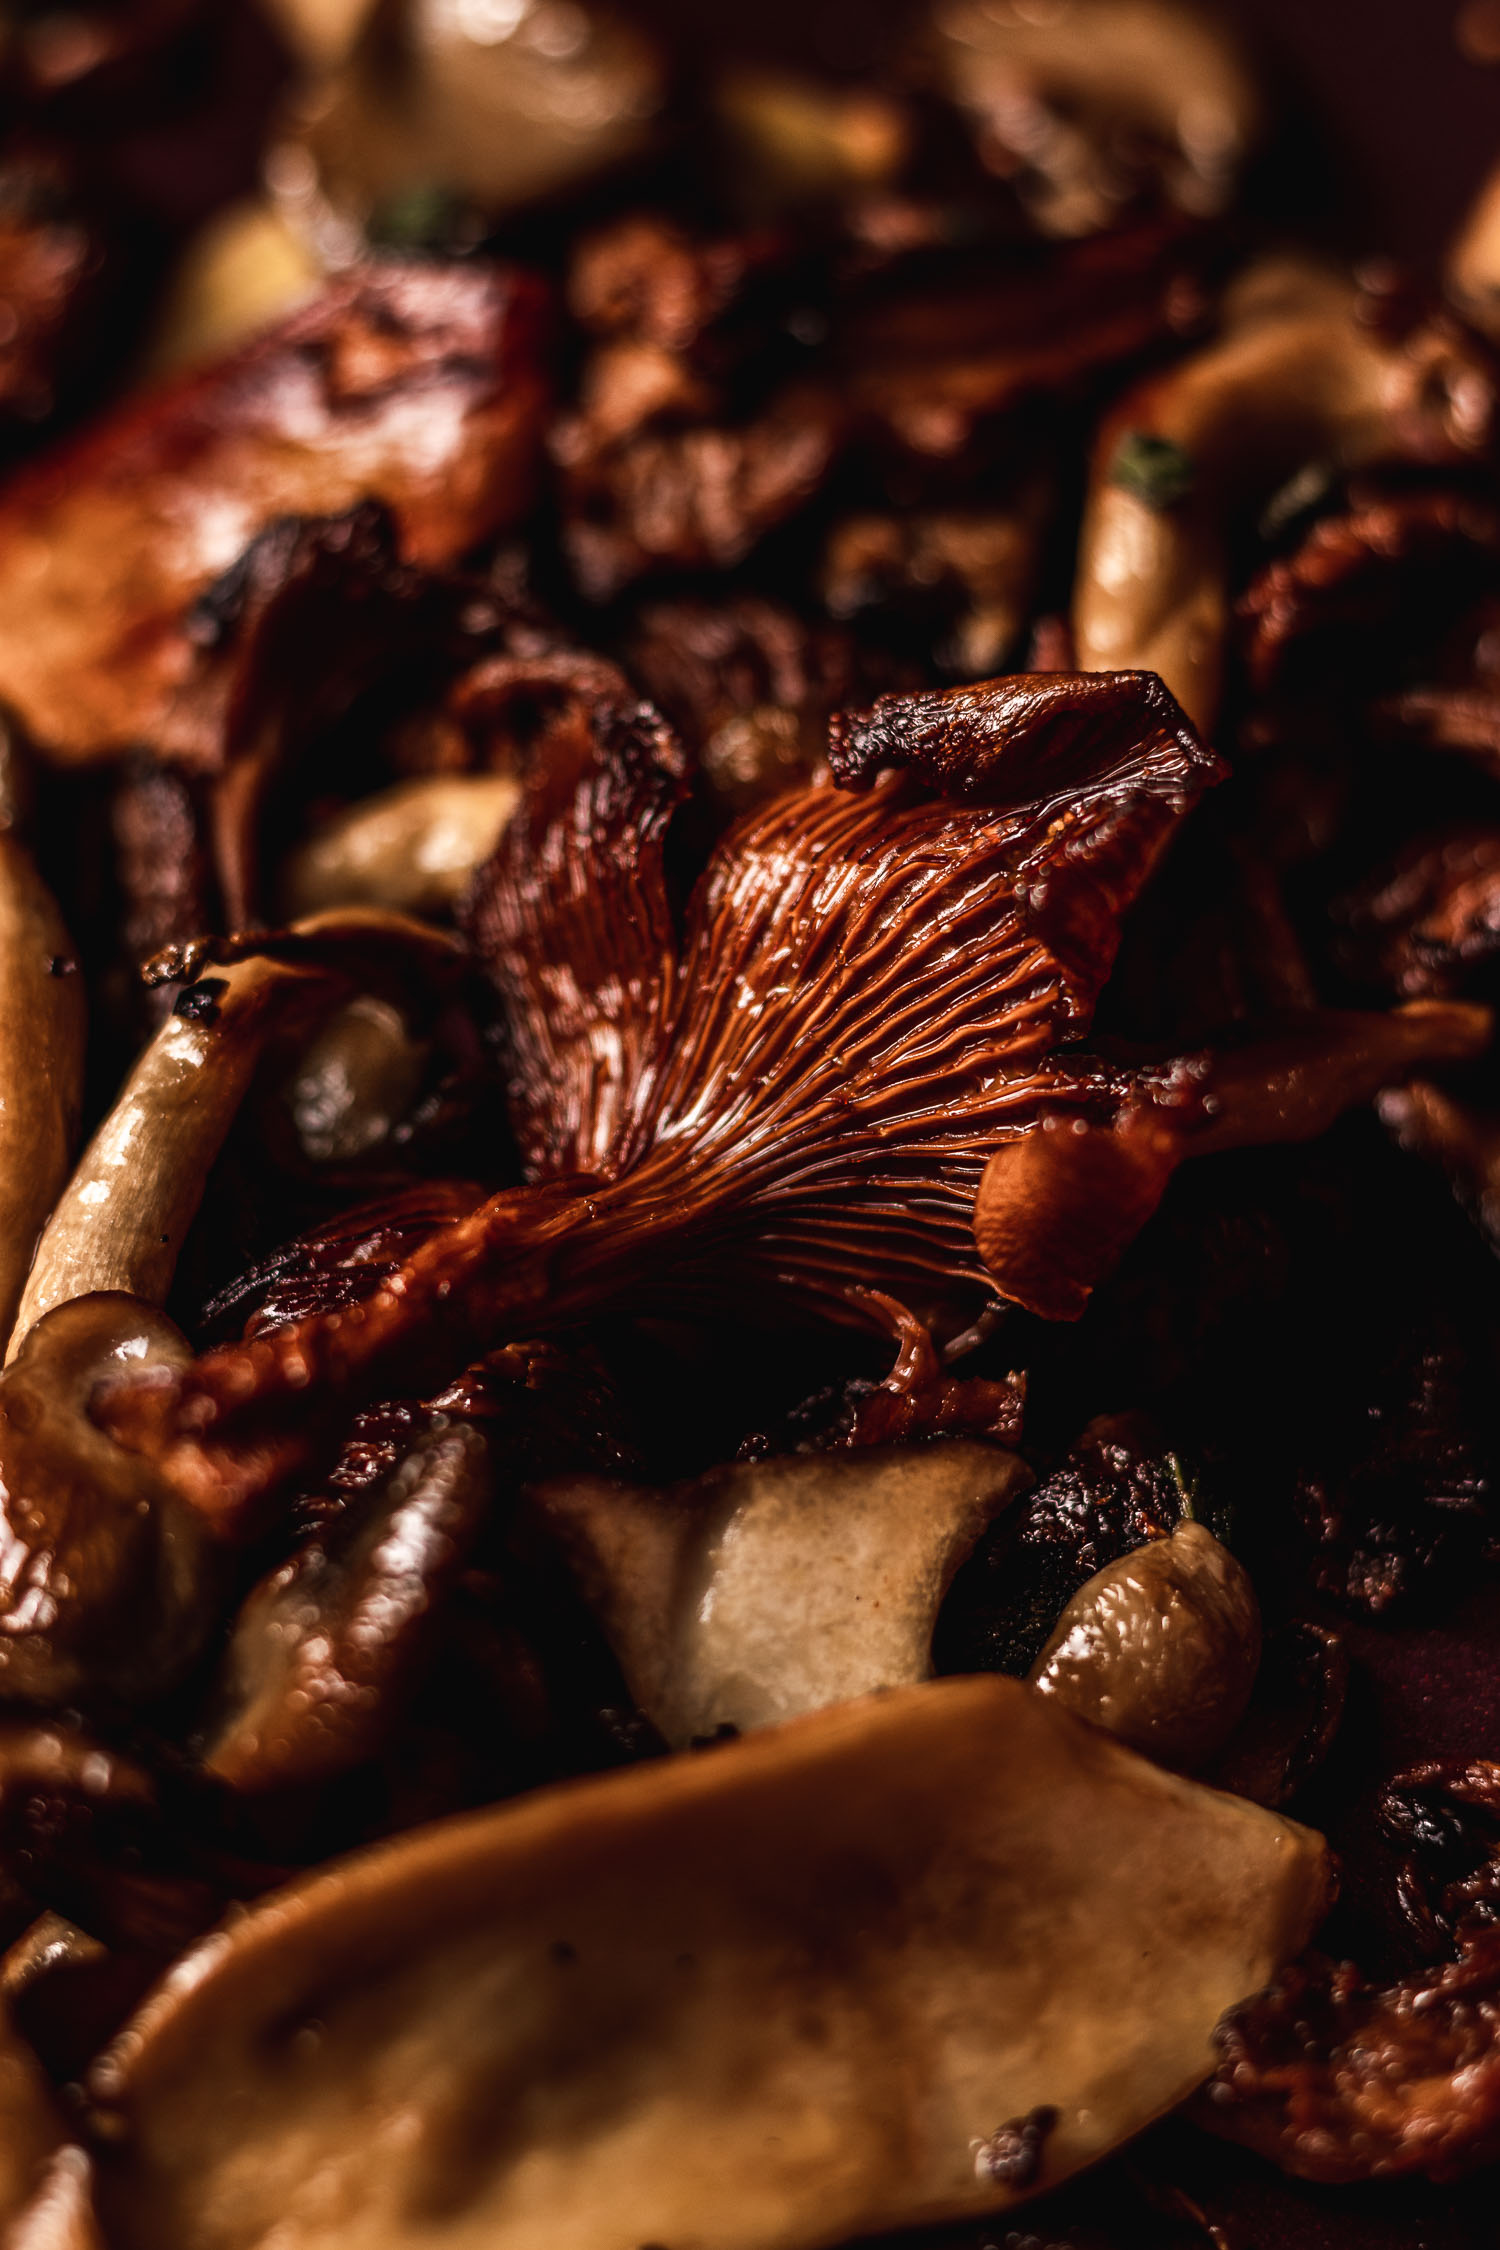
(121, 1221)
(872, 994)
(1297, 377)
(1091, 104)
(954, 1888)
(1085, 1183)
(771, 1588)
(1160, 1648)
(420, 385)
(1473, 272)
(325, 1650)
(106, 1581)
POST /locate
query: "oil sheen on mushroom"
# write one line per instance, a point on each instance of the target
(1296, 378)
(418, 385)
(827, 1966)
(1160, 1648)
(121, 1220)
(770, 1588)
(796, 1107)
(106, 1582)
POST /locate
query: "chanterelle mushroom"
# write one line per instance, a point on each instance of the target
(765, 1999)
(770, 1588)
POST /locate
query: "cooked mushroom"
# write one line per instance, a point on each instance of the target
(42, 1031)
(419, 385)
(1474, 260)
(121, 1221)
(31, 2127)
(105, 1580)
(1086, 1184)
(1087, 102)
(60, 2213)
(355, 1081)
(415, 847)
(495, 104)
(1297, 377)
(1161, 1648)
(797, 1105)
(770, 1588)
(826, 1967)
(325, 1649)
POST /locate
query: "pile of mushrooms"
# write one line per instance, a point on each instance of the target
(681, 1064)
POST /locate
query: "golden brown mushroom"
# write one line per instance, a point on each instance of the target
(770, 1588)
(414, 847)
(121, 1221)
(794, 1990)
(1160, 1647)
(1296, 378)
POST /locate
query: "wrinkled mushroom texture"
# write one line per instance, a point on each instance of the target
(1056, 1210)
(1085, 97)
(869, 998)
(42, 1031)
(1160, 1647)
(770, 1588)
(105, 1581)
(121, 1221)
(419, 385)
(768, 1998)
(1296, 377)
(325, 1649)
(30, 2127)
(414, 846)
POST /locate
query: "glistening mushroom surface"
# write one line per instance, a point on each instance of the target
(826, 1966)
(120, 1222)
(770, 1588)
(1160, 1647)
(1296, 377)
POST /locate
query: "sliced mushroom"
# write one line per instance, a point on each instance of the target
(104, 1577)
(326, 1647)
(121, 1221)
(414, 847)
(42, 1024)
(764, 1999)
(1297, 377)
(770, 1588)
(1160, 1648)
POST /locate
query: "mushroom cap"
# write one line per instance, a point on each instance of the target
(766, 1998)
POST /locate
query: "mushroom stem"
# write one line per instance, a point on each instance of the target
(121, 1220)
(1297, 378)
(42, 1025)
(414, 847)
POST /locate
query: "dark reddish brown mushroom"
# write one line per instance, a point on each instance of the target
(418, 385)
